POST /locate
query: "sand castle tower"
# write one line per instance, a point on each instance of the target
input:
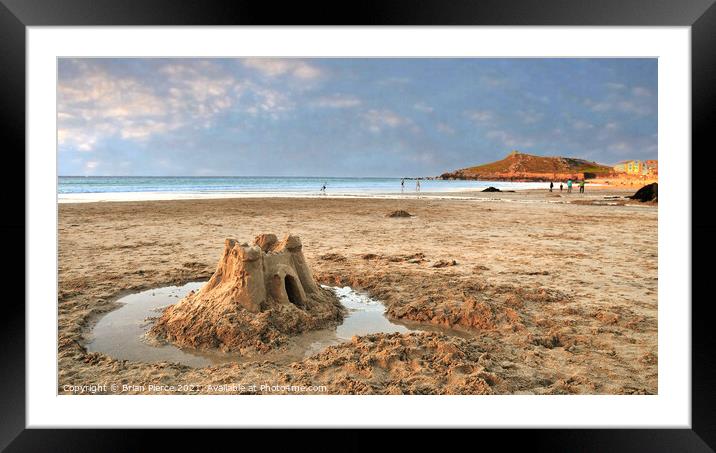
(258, 294)
(259, 276)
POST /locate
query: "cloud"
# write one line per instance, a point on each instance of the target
(445, 129)
(480, 116)
(144, 129)
(509, 140)
(96, 104)
(636, 101)
(273, 67)
(633, 107)
(378, 120)
(530, 117)
(493, 81)
(598, 106)
(540, 99)
(621, 147)
(337, 101)
(394, 81)
(423, 107)
(266, 101)
(581, 125)
(424, 157)
(616, 86)
(641, 91)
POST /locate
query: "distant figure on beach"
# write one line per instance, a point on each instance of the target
(569, 186)
(417, 185)
(323, 189)
(402, 184)
(551, 184)
(560, 186)
(581, 186)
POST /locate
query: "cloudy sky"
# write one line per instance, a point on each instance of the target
(347, 117)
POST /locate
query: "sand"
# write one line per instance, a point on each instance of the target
(623, 183)
(557, 292)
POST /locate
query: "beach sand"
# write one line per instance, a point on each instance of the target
(558, 292)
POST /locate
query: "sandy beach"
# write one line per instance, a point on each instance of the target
(555, 293)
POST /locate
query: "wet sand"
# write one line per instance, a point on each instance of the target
(558, 293)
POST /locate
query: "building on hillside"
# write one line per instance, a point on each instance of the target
(637, 167)
(630, 167)
(634, 167)
(651, 167)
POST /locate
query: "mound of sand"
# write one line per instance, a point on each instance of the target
(400, 213)
(649, 192)
(411, 364)
(257, 296)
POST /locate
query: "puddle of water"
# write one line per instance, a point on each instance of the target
(120, 333)
(365, 315)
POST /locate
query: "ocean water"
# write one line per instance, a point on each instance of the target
(78, 187)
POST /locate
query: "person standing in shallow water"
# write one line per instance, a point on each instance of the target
(569, 186)
(581, 186)
(417, 185)
(402, 185)
(551, 184)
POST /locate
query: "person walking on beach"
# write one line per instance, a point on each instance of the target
(569, 186)
(402, 185)
(581, 186)
(560, 186)
(417, 185)
(551, 184)
(323, 189)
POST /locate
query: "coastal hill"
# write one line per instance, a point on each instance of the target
(519, 166)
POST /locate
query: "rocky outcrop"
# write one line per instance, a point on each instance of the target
(258, 295)
(400, 213)
(649, 192)
(526, 167)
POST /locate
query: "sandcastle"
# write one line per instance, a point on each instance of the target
(257, 296)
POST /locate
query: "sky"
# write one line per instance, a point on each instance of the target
(347, 116)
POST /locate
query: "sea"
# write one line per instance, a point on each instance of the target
(99, 188)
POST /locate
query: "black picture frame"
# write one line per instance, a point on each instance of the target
(700, 15)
